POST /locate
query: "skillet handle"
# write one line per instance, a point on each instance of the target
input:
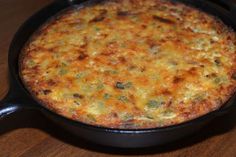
(9, 105)
(7, 108)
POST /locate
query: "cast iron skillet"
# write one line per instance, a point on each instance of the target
(18, 98)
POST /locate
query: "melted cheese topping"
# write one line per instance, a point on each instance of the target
(131, 63)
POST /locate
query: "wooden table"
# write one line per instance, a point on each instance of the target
(29, 134)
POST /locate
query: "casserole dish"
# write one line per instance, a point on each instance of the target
(116, 137)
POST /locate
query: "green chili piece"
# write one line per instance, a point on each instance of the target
(80, 75)
(63, 71)
(128, 85)
(154, 104)
(124, 99)
(199, 97)
(97, 29)
(100, 86)
(107, 96)
(149, 116)
(120, 85)
(31, 63)
(127, 117)
(168, 114)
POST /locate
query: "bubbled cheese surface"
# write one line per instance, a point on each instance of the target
(131, 63)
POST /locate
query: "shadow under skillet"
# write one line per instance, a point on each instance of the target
(34, 119)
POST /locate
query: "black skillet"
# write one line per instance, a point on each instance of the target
(18, 98)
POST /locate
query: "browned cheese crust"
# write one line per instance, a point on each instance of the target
(131, 64)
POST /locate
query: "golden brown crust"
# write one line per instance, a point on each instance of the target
(131, 64)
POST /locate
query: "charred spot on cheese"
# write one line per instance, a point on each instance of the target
(163, 20)
(77, 102)
(122, 59)
(154, 48)
(100, 17)
(82, 56)
(166, 92)
(46, 91)
(234, 76)
(212, 75)
(131, 63)
(51, 82)
(77, 95)
(217, 61)
(178, 79)
(162, 7)
(123, 13)
(126, 13)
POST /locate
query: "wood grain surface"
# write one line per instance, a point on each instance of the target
(30, 134)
